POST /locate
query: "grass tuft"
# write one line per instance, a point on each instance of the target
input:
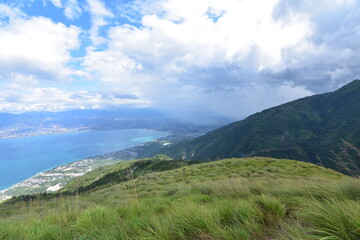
(3, 231)
(273, 209)
(194, 219)
(98, 223)
(333, 219)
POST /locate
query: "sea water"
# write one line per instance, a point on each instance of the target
(23, 157)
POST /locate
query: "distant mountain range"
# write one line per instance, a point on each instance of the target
(307, 129)
(42, 123)
(101, 118)
(76, 118)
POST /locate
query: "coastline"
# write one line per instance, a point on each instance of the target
(56, 177)
(45, 181)
(53, 178)
(7, 134)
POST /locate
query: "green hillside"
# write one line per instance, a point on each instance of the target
(122, 172)
(307, 129)
(250, 198)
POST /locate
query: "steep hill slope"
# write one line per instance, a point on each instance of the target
(306, 129)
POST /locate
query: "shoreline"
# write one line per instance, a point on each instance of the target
(34, 134)
(45, 180)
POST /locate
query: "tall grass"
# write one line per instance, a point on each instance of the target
(3, 230)
(338, 220)
(348, 159)
(98, 223)
(191, 203)
(195, 220)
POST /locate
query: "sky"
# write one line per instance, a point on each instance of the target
(185, 57)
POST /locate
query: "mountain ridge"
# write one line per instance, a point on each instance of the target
(306, 129)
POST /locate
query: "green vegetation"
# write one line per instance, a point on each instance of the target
(309, 129)
(250, 198)
(122, 172)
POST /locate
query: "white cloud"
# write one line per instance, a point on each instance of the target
(196, 53)
(7, 12)
(99, 14)
(196, 40)
(37, 46)
(23, 99)
(72, 9)
(21, 81)
(215, 53)
(225, 56)
(57, 3)
(329, 58)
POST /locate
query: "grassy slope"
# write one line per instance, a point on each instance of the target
(122, 172)
(252, 198)
(304, 130)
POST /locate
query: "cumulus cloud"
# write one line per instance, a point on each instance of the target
(36, 45)
(99, 14)
(245, 55)
(329, 59)
(211, 50)
(228, 57)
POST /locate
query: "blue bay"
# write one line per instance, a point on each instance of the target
(21, 158)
